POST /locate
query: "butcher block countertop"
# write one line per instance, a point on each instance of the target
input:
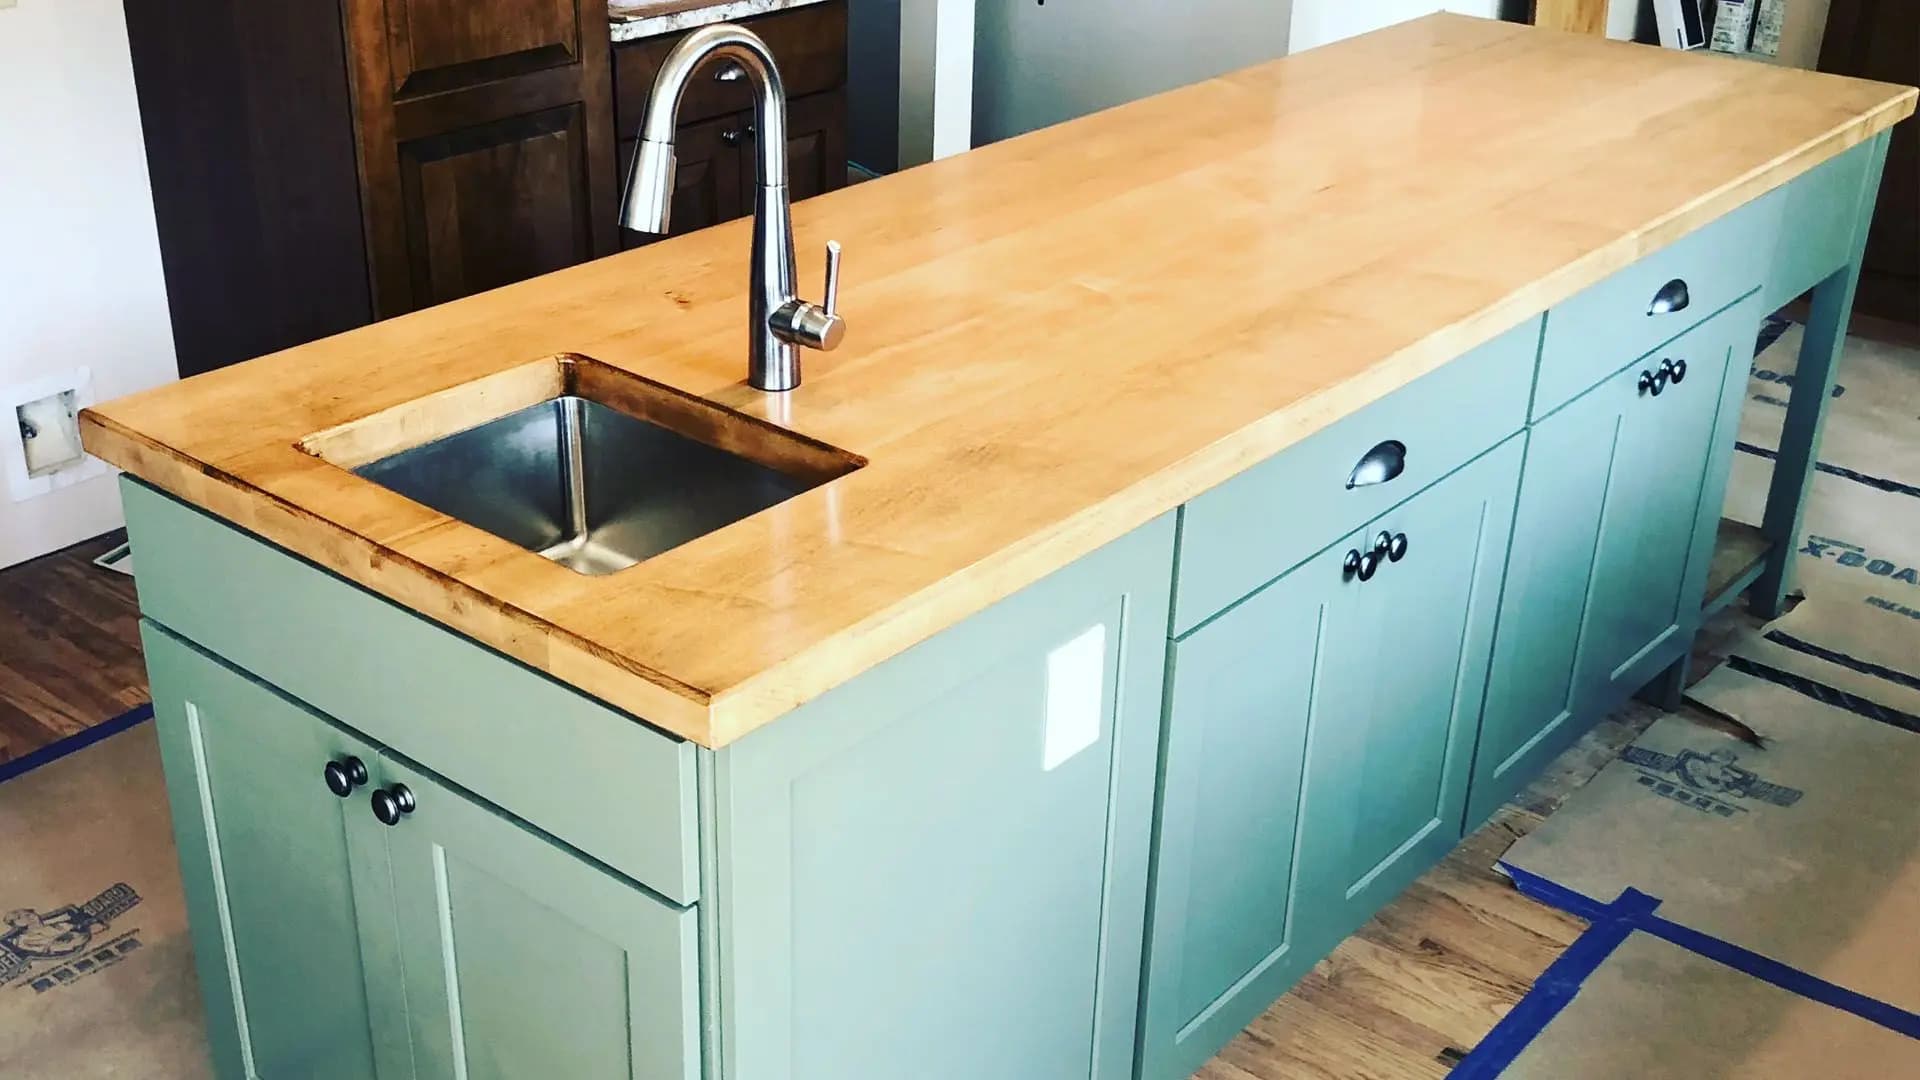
(1051, 341)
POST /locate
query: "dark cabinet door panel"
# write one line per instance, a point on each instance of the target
(441, 44)
(485, 142)
(490, 205)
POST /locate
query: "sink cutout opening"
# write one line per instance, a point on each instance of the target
(584, 464)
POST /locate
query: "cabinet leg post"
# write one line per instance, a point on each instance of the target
(1813, 382)
(1665, 690)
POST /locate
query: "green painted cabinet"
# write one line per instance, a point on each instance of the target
(1318, 735)
(939, 869)
(1604, 586)
(1388, 758)
(266, 864)
(520, 959)
(1243, 692)
(452, 943)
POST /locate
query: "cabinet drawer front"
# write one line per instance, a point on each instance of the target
(809, 43)
(1251, 529)
(1654, 300)
(602, 781)
(1818, 213)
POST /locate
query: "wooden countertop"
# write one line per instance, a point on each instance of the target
(1052, 341)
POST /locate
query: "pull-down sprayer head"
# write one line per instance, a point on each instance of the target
(647, 204)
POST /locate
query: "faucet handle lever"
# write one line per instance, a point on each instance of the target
(831, 302)
(816, 326)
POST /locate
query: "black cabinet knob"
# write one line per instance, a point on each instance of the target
(1369, 565)
(390, 804)
(1674, 370)
(1397, 547)
(1652, 382)
(344, 774)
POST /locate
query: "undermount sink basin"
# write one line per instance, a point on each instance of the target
(582, 480)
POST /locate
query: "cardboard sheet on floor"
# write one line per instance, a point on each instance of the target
(1873, 422)
(96, 968)
(1807, 851)
(1655, 1011)
(1858, 557)
(1874, 663)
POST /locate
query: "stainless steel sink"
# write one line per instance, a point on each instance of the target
(589, 486)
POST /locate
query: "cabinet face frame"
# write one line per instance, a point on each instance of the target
(803, 809)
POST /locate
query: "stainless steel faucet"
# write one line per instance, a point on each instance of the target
(779, 322)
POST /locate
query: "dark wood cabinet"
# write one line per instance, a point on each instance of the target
(716, 143)
(485, 139)
(319, 164)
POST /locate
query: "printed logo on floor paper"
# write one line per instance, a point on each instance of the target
(58, 946)
(1710, 783)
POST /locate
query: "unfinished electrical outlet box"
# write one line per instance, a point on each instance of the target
(50, 433)
(40, 449)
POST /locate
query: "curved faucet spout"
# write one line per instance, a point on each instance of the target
(779, 320)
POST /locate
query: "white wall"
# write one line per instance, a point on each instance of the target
(80, 280)
(1317, 22)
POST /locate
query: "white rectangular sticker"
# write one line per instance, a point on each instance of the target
(1076, 676)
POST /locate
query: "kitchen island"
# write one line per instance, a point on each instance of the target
(1220, 503)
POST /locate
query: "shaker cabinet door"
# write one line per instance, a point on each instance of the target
(1620, 489)
(1244, 692)
(1392, 740)
(269, 865)
(1638, 611)
(521, 958)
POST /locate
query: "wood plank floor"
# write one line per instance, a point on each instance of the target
(69, 647)
(1403, 999)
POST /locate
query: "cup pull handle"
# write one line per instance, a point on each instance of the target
(1672, 297)
(1379, 465)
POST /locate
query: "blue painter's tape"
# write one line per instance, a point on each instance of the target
(52, 752)
(1786, 978)
(1557, 986)
(1612, 925)
(1553, 894)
